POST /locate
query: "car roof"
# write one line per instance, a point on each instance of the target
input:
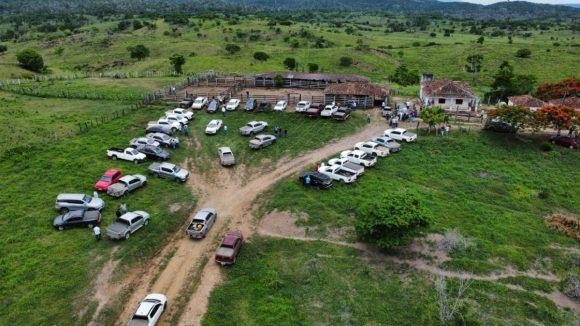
(204, 211)
(127, 178)
(214, 121)
(70, 196)
(225, 149)
(110, 172)
(167, 165)
(144, 308)
(303, 102)
(128, 216)
(358, 152)
(230, 238)
(400, 129)
(199, 98)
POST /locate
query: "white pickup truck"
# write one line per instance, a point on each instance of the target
(347, 165)
(337, 173)
(127, 154)
(359, 157)
(372, 148)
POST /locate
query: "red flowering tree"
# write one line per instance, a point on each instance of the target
(565, 88)
(557, 117)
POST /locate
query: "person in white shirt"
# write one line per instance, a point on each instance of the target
(97, 232)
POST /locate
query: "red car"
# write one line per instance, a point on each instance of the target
(565, 141)
(110, 177)
(229, 248)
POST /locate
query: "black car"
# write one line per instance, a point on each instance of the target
(77, 218)
(251, 104)
(212, 106)
(153, 152)
(316, 179)
(264, 107)
(186, 103)
(159, 128)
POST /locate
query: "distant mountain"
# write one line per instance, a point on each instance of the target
(574, 5)
(501, 10)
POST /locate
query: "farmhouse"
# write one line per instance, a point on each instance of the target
(448, 94)
(572, 101)
(306, 80)
(526, 101)
(366, 95)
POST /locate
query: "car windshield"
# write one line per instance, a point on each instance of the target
(199, 100)
(232, 102)
(176, 169)
(106, 178)
(212, 124)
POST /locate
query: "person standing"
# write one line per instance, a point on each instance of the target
(307, 180)
(447, 129)
(185, 130)
(225, 130)
(97, 232)
(95, 194)
(224, 110)
(285, 132)
(368, 117)
(121, 210)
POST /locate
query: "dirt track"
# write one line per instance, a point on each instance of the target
(226, 191)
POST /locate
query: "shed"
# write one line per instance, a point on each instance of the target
(306, 80)
(366, 95)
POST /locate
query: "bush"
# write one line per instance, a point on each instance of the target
(543, 194)
(177, 61)
(123, 25)
(546, 147)
(3, 48)
(290, 63)
(261, 56)
(233, 48)
(279, 81)
(390, 220)
(138, 51)
(313, 67)
(571, 287)
(345, 61)
(433, 35)
(30, 59)
(452, 241)
(405, 77)
(523, 53)
(137, 24)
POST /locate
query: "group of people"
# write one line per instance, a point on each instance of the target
(278, 132)
(122, 209)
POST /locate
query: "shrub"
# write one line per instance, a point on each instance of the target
(546, 147)
(433, 35)
(571, 287)
(232, 48)
(138, 51)
(452, 241)
(290, 63)
(405, 77)
(123, 25)
(543, 194)
(3, 48)
(137, 24)
(279, 81)
(30, 59)
(523, 53)
(480, 40)
(313, 67)
(261, 56)
(345, 62)
(177, 61)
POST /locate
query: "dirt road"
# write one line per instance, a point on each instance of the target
(231, 193)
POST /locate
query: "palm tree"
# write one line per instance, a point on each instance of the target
(433, 115)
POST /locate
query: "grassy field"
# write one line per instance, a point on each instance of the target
(94, 49)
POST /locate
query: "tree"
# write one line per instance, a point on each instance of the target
(278, 81)
(523, 53)
(502, 83)
(177, 61)
(392, 219)
(232, 48)
(523, 84)
(3, 48)
(474, 62)
(31, 60)
(405, 77)
(562, 89)
(261, 56)
(433, 116)
(123, 25)
(557, 117)
(138, 51)
(137, 24)
(480, 40)
(345, 62)
(517, 117)
(290, 63)
(313, 67)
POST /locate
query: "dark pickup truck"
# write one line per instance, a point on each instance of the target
(314, 110)
(342, 114)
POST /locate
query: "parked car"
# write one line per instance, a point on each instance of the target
(75, 202)
(143, 141)
(372, 148)
(342, 114)
(163, 139)
(233, 104)
(127, 184)
(280, 106)
(149, 310)
(401, 134)
(213, 127)
(127, 154)
(176, 118)
(168, 171)
(251, 104)
(181, 112)
(185, 103)
(317, 179)
(359, 157)
(314, 110)
(127, 224)
(565, 141)
(388, 142)
(261, 141)
(153, 152)
(201, 223)
(264, 107)
(337, 173)
(346, 164)
(78, 218)
(199, 103)
(229, 248)
(302, 106)
(253, 127)
(226, 156)
(157, 128)
(328, 110)
(212, 107)
(173, 125)
(109, 177)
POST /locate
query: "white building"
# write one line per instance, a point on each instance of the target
(448, 94)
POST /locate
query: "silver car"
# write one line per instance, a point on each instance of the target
(127, 224)
(226, 156)
(168, 171)
(201, 223)
(388, 142)
(253, 127)
(74, 202)
(261, 141)
(126, 184)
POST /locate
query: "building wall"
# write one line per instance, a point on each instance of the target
(461, 104)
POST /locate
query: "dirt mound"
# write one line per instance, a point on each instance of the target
(569, 225)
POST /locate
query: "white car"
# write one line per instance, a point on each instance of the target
(175, 125)
(176, 118)
(336, 172)
(347, 165)
(401, 134)
(302, 106)
(372, 148)
(280, 106)
(359, 157)
(329, 110)
(232, 104)
(182, 113)
(213, 127)
(143, 141)
(199, 103)
(149, 310)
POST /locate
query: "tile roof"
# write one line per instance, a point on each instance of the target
(341, 78)
(572, 101)
(526, 101)
(446, 88)
(365, 89)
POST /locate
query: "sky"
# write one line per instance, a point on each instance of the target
(554, 2)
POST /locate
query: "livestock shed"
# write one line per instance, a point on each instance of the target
(366, 95)
(305, 80)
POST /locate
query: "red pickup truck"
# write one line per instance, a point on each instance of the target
(229, 248)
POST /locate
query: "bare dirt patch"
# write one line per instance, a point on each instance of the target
(282, 223)
(567, 224)
(104, 288)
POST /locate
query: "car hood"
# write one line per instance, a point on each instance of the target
(58, 220)
(117, 228)
(182, 173)
(102, 184)
(115, 188)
